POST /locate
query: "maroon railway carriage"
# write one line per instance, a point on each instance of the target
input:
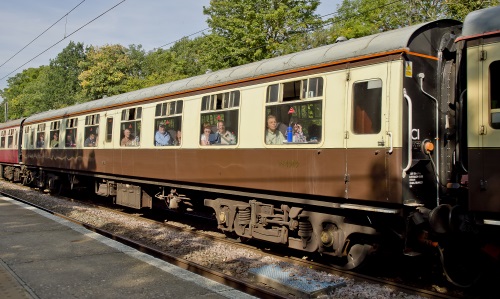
(10, 153)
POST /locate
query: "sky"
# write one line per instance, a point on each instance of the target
(150, 23)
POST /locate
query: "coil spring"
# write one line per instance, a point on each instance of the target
(305, 229)
(244, 216)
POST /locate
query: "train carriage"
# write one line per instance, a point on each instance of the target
(393, 133)
(9, 150)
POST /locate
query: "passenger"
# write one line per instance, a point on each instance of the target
(298, 135)
(205, 137)
(41, 140)
(90, 141)
(55, 140)
(128, 139)
(178, 138)
(273, 136)
(162, 137)
(223, 136)
(69, 141)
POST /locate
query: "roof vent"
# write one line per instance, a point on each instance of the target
(340, 39)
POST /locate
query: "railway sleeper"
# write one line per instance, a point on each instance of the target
(295, 227)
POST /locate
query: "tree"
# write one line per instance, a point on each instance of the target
(458, 9)
(356, 18)
(252, 30)
(24, 94)
(64, 87)
(105, 71)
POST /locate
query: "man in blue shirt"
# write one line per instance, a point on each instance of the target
(162, 137)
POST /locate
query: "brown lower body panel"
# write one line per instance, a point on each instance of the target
(484, 180)
(358, 174)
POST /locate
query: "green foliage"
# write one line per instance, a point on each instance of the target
(241, 32)
(64, 88)
(356, 18)
(24, 95)
(458, 9)
(105, 71)
(252, 30)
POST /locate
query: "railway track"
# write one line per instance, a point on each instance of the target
(211, 272)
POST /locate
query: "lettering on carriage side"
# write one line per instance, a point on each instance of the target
(415, 134)
(415, 178)
(289, 163)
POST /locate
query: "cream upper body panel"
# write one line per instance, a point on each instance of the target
(483, 66)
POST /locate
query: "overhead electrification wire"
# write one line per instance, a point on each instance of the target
(180, 39)
(42, 33)
(208, 29)
(63, 39)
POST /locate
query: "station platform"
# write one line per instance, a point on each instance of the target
(44, 256)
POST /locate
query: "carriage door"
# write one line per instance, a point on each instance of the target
(366, 139)
(483, 163)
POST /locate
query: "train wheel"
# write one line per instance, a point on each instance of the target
(356, 256)
(9, 173)
(462, 267)
(55, 187)
(27, 179)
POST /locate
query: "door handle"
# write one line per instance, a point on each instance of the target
(390, 143)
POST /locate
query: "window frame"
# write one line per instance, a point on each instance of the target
(55, 127)
(225, 107)
(131, 117)
(169, 113)
(360, 116)
(297, 107)
(72, 129)
(494, 92)
(91, 127)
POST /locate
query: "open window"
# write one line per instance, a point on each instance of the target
(71, 130)
(131, 127)
(294, 112)
(54, 133)
(91, 131)
(168, 123)
(219, 119)
(40, 136)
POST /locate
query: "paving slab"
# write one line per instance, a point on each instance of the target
(50, 257)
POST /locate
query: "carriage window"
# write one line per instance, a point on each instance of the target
(367, 107)
(219, 119)
(312, 87)
(71, 130)
(91, 131)
(495, 94)
(16, 135)
(30, 136)
(131, 127)
(295, 90)
(54, 133)
(168, 123)
(40, 136)
(2, 139)
(109, 129)
(294, 112)
(10, 138)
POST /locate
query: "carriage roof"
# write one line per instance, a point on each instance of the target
(359, 48)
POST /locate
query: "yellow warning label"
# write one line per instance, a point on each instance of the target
(408, 69)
